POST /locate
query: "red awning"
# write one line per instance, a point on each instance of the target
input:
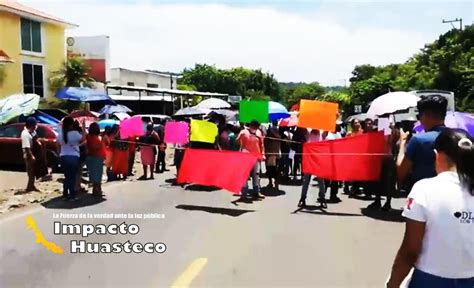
(4, 57)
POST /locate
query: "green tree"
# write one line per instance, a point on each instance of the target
(73, 73)
(235, 81)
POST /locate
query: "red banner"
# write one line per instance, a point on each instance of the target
(357, 158)
(224, 169)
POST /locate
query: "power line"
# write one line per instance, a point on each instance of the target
(455, 20)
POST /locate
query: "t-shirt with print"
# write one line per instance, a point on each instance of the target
(447, 208)
(71, 148)
(420, 152)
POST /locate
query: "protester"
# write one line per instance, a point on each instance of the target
(299, 137)
(251, 140)
(315, 136)
(41, 163)
(419, 156)
(285, 162)
(353, 188)
(148, 151)
(27, 145)
(82, 159)
(120, 154)
(132, 149)
(356, 128)
(272, 156)
(160, 166)
(107, 138)
(233, 132)
(387, 184)
(334, 185)
(69, 140)
(439, 235)
(95, 158)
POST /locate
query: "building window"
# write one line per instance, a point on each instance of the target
(30, 35)
(151, 85)
(33, 79)
(130, 84)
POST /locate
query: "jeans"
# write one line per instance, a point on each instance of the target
(255, 181)
(70, 166)
(306, 181)
(422, 279)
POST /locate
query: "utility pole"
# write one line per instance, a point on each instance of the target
(455, 20)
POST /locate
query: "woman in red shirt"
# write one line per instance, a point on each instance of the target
(95, 158)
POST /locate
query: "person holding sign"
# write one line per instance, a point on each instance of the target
(251, 141)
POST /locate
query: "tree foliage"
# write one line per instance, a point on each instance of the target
(235, 81)
(446, 64)
(74, 72)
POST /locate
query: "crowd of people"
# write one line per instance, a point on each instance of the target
(436, 165)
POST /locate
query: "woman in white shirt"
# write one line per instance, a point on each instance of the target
(439, 233)
(69, 141)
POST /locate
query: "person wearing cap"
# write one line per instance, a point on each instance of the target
(27, 144)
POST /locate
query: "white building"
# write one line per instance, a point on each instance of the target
(127, 77)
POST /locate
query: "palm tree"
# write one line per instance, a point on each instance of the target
(73, 73)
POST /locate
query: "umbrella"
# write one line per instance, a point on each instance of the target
(392, 102)
(213, 103)
(112, 109)
(277, 111)
(453, 119)
(4, 58)
(230, 116)
(191, 111)
(108, 122)
(16, 105)
(360, 117)
(83, 94)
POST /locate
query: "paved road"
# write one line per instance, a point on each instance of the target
(210, 241)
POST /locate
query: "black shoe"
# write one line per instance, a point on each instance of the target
(375, 205)
(335, 199)
(387, 207)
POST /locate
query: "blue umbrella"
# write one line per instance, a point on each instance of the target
(458, 120)
(108, 122)
(277, 111)
(82, 94)
(112, 109)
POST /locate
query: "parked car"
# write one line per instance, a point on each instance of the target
(10, 144)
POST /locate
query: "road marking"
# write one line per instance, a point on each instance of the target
(185, 279)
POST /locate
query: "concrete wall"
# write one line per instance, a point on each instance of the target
(120, 76)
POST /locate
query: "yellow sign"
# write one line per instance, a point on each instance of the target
(203, 131)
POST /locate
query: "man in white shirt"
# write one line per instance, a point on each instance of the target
(27, 145)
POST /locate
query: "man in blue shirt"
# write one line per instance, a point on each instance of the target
(418, 157)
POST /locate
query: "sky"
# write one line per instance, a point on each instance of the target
(296, 40)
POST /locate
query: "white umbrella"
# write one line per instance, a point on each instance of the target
(213, 103)
(191, 111)
(392, 102)
(16, 105)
